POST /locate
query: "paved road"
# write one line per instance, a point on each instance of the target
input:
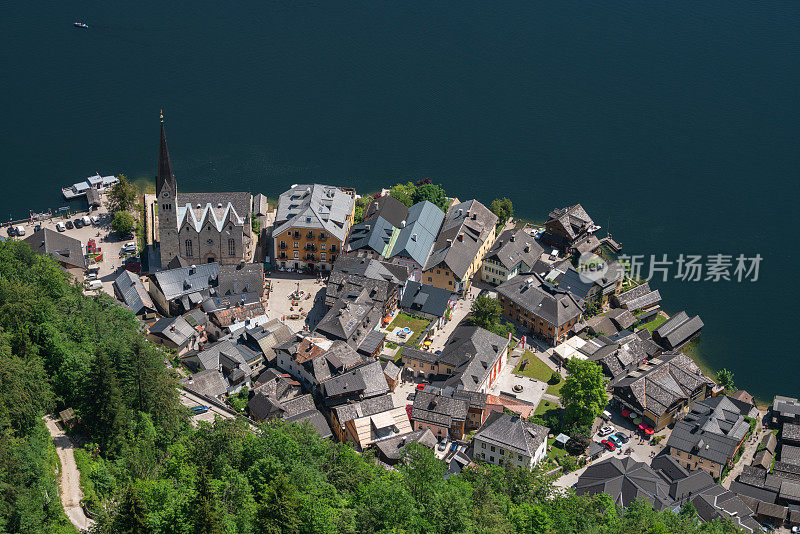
(750, 447)
(189, 399)
(70, 479)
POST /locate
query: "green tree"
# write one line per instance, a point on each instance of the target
(206, 516)
(584, 392)
(123, 222)
(577, 444)
(725, 378)
(404, 193)
(122, 196)
(530, 518)
(361, 205)
(503, 208)
(131, 517)
(432, 193)
(103, 402)
(486, 311)
(280, 505)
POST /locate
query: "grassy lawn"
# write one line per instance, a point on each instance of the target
(655, 323)
(555, 452)
(539, 370)
(416, 325)
(544, 407)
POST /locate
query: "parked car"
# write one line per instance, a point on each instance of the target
(421, 386)
(606, 416)
(442, 445)
(95, 220)
(90, 276)
(19, 231)
(606, 430)
(69, 225)
(10, 231)
(197, 410)
(623, 437)
(78, 223)
(94, 284)
(60, 226)
(608, 445)
(615, 440)
(453, 446)
(86, 221)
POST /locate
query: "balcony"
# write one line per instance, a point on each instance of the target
(311, 246)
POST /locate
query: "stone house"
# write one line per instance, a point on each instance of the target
(311, 226)
(513, 252)
(510, 440)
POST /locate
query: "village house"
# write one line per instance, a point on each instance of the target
(265, 337)
(181, 334)
(392, 374)
(598, 287)
(313, 360)
(356, 384)
(538, 307)
(513, 252)
(226, 312)
(677, 331)
(208, 383)
(471, 359)
(415, 238)
(384, 282)
(665, 485)
(390, 450)
(176, 291)
(354, 319)
(237, 361)
(376, 235)
(128, 288)
(426, 301)
(511, 441)
(710, 435)
(567, 226)
(663, 389)
(67, 251)
(626, 355)
(301, 409)
(200, 227)
(369, 421)
(448, 413)
(311, 225)
(640, 300)
(785, 410)
(467, 232)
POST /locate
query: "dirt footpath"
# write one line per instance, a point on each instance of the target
(70, 477)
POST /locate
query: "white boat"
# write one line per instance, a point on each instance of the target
(80, 24)
(97, 182)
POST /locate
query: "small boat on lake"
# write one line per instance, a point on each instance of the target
(99, 183)
(80, 25)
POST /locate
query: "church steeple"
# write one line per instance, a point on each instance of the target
(165, 175)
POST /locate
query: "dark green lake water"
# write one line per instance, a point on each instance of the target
(676, 124)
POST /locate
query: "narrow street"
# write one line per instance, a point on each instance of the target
(69, 476)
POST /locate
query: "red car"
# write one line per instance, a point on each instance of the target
(421, 386)
(608, 445)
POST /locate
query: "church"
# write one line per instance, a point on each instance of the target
(200, 227)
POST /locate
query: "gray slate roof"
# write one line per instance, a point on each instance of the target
(62, 248)
(514, 247)
(351, 321)
(554, 305)
(424, 298)
(238, 279)
(352, 274)
(392, 448)
(314, 206)
(416, 240)
(209, 382)
(388, 207)
(465, 229)
(667, 379)
(677, 330)
(130, 288)
(175, 329)
(434, 408)
(513, 433)
(175, 283)
(712, 430)
(364, 408)
(472, 351)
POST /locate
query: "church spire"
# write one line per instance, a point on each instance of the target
(165, 175)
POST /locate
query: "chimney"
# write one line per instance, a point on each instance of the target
(474, 216)
(512, 238)
(193, 269)
(527, 248)
(449, 242)
(402, 224)
(460, 238)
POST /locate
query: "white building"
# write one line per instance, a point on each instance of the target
(510, 440)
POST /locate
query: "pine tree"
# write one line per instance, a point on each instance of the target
(206, 516)
(103, 402)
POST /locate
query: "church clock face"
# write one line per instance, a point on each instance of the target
(210, 242)
(166, 194)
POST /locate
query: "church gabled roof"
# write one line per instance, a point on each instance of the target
(165, 175)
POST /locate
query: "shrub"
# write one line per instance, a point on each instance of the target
(555, 378)
(569, 464)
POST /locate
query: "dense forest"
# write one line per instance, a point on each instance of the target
(145, 469)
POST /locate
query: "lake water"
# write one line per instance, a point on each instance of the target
(674, 124)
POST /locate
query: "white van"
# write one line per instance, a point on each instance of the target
(86, 221)
(94, 284)
(60, 227)
(19, 230)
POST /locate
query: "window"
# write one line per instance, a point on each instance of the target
(433, 367)
(438, 271)
(231, 247)
(322, 246)
(449, 282)
(289, 233)
(430, 279)
(322, 256)
(483, 445)
(188, 245)
(492, 448)
(296, 255)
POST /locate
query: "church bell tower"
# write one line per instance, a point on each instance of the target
(167, 199)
